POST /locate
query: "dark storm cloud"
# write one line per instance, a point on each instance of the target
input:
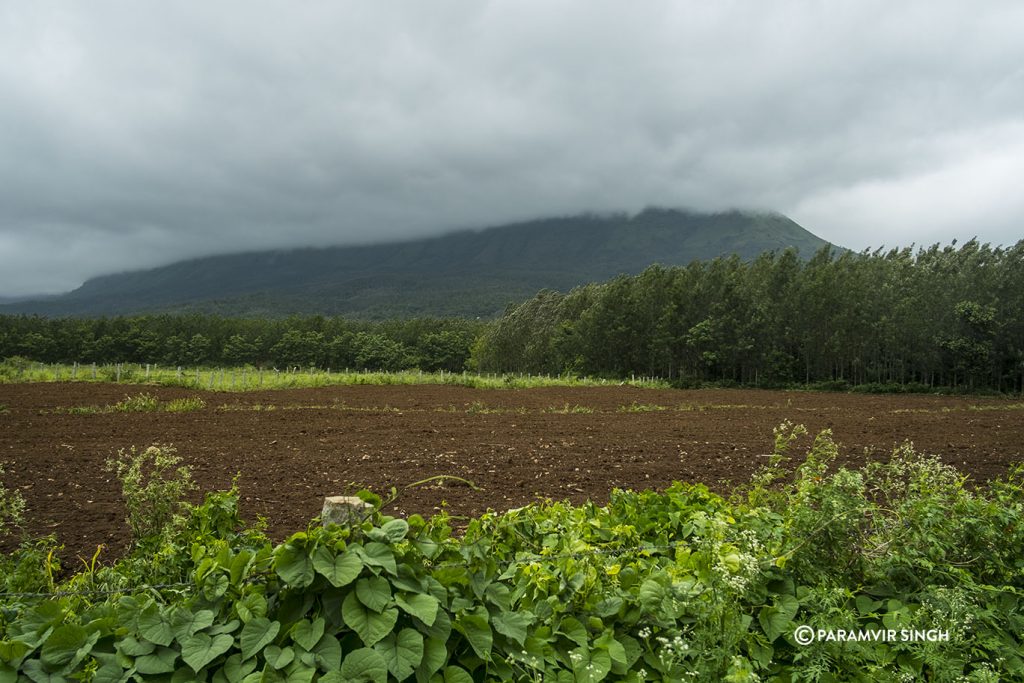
(138, 133)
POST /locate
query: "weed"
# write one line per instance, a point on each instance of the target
(12, 505)
(143, 403)
(480, 408)
(153, 487)
(184, 405)
(635, 407)
(567, 410)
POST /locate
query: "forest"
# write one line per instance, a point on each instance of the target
(934, 318)
(940, 317)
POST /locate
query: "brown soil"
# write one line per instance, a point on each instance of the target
(321, 442)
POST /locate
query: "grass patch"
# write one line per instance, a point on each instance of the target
(184, 405)
(141, 403)
(255, 379)
(636, 407)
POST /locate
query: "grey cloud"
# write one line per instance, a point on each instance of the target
(136, 133)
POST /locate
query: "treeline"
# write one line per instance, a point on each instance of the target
(201, 340)
(949, 317)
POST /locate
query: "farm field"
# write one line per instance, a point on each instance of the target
(293, 447)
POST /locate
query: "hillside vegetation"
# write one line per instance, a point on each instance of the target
(460, 274)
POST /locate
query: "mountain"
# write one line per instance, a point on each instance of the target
(469, 273)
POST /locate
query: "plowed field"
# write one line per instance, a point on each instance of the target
(293, 447)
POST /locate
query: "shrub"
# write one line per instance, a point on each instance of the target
(153, 487)
(12, 505)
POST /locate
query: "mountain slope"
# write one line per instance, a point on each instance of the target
(473, 273)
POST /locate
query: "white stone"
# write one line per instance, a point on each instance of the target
(344, 510)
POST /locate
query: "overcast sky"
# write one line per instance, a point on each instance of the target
(136, 133)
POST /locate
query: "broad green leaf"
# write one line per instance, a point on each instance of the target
(456, 674)
(251, 606)
(477, 632)
(134, 648)
(235, 668)
(328, 653)
(215, 586)
(407, 581)
(420, 605)
(608, 606)
(154, 626)
(200, 649)
(571, 628)
(299, 673)
(12, 651)
(35, 672)
(340, 570)
(185, 622)
(374, 592)
(184, 675)
(866, 606)
(307, 634)
(278, 658)
(369, 625)
(293, 565)
(615, 649)
(435, 654)
(229, 627)
(651, 595)
(513, 624)
(402, 652)
(364, 665)
(66, 646)
(441, 628)
(590, 666)
(41, 617)
(108, 672)
(239, 565)
(257, 634)
(777, 619)
(160, 662)
(395, 530)
(377, 555)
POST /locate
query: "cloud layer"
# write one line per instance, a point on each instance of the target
(137, 133)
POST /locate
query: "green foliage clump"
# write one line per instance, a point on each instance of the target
(141, 403)
(12, 507)
(681, 585)
(154, 487)
(184, 405)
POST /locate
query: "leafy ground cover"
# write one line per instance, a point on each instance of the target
(679, 585)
